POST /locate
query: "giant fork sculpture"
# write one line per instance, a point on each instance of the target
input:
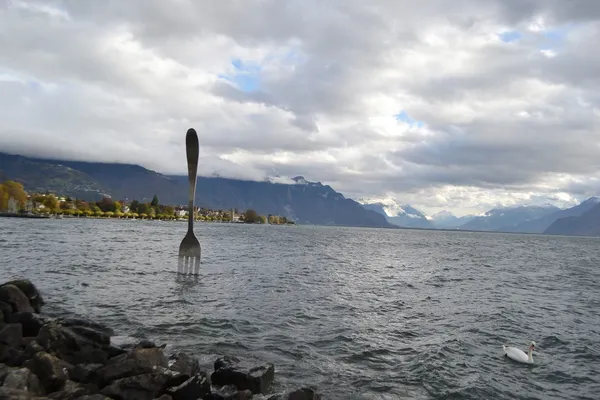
(189, 249)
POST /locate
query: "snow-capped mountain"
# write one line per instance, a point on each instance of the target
(507, 217)
(447, 220)
(403, 215)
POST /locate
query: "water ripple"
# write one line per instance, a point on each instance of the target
(361, 313)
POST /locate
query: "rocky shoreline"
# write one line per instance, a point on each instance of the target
(69, 358)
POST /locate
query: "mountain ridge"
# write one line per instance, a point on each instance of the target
(304, 202)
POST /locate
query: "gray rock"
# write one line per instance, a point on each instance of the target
(70, 346)
(32, 323)
(96, 396)
(11, 356)
(14, 297)
(51, 371)
(83, 372)
(184, 364)
(16, 394)
(30, 291)
(232, 371)
(195, 387)
(139, 387)
(70, 391)
(11, 335)
(229, 392)
(138, 361)
(23, 379)
(298, 394)
(5, 313)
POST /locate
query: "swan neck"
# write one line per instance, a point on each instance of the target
(530, 355)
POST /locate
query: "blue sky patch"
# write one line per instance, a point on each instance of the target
(246, 75)
(404, 117)
(510, 36)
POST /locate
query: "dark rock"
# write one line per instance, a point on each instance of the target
(70, 391)
(4, 370)
(226, 361)
(70, 346)
(32, 323)
(12, 295)
(164, 397)
(16, 394)
(30, 291)
(5, 310)
(231, 371)
(139, 387)
(136, 362)
(145, 344)
(32, 347)
(11, 335)
(82, 323)
(184, 364)
(11, 356)
(94, 397)
(298, 394)
(229, 392)
(195, 387)
(51, 371)
(83, 372)
(23, 379)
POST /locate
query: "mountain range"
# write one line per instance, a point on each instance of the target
(582, 219)
(304, 202)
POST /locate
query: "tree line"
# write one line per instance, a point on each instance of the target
(107, 207)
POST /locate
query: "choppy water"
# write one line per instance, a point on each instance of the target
(360, 313)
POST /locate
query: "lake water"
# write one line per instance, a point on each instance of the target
(359, 313)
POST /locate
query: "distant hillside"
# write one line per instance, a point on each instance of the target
(401, 215)
(587, 224)
(541, 224)
(304, 202)
(506, 218)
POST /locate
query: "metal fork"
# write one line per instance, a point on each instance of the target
(189, 249)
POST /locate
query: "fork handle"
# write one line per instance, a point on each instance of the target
(192, 152)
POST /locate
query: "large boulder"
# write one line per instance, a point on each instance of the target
(11, 356)
(11, 335)
(297, 394)
(71, 391)
(51, 371)
(14, 297)
(76, 344)
(184, 364)
(23, 379)
(196, 387)
(18, 394)
(139, 387)
(242, 375)
(30, 291)
(138, 361)
(229, 392)
(32, 323)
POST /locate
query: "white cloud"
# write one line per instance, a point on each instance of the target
(485, 122)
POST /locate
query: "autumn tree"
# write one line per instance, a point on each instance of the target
(50, 202)
(12, 189)
(251, 216)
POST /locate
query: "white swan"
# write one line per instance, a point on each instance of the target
(519, 355)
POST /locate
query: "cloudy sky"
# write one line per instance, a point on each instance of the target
(457, 105)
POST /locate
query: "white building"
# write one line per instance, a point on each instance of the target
(181, 213)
